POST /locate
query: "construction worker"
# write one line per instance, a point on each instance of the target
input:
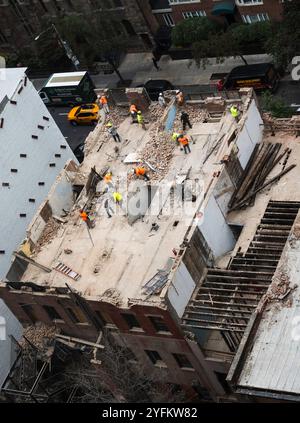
(108, 177)
(140, 120)
(176, 136)
(179, 98)
(117, 198)
(141, 171)
(113, 132)
(104, 104)
(161, 100)
(234, 112)
(185, 144)
(85, 217)
(133, 112)
(185, 119)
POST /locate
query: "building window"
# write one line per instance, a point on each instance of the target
(159, 324)
(249, 2)
(28, 310)
(75, 316)
(258, 17)
(155, 358)
(131, 321)
(182, 361)
(182, 1)
(105, 319)
(168, 19)
(197, 13)
(52, 313)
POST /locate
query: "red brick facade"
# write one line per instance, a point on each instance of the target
(273, 8)
(137, 339)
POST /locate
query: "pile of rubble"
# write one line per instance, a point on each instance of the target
(49, 232)
(40, 335)
(195, 113)
(158, 152)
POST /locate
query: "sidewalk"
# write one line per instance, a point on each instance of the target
(139, 68)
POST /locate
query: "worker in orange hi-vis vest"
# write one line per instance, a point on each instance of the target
(141, 171)
(179, 98)
(184, 141)
(104, 103)
(133, 111)
(85, 217)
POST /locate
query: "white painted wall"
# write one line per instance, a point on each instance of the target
(215, 230)
(223, 190)
(250, 135)
(179, 293)
(7, 352)
(20, 122)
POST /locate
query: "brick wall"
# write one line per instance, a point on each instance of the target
(273, 8)
(138, 339)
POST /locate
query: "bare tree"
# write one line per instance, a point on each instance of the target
(119, 378)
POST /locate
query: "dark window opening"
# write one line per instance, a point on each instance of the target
(14, 170)
(153, 356)
(159, 324)
(20, 90)
(63, 147)
(22, 214)
(5, 184)
(13, 102)
(40, 126)
(1, 122)
(2, 251)
(131, 320)
(72, 315)
(183, 361)
(28, 310)
(52, 313)
(31, 200)
(23, 155)
(45, 118)
(35, 137)
(41, 183)
(52, 165)
(57, 155)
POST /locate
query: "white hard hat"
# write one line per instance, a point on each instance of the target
(177, 91)
(160, 93)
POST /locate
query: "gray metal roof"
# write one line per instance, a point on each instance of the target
(273, 363)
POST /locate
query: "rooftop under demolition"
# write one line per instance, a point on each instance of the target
(117, 257)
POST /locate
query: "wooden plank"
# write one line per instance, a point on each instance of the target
(30, 261)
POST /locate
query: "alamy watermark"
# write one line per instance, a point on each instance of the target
(296, 68)
(2, 329)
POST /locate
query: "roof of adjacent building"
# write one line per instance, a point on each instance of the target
(9, 81)
(273, 364)
(65, 79)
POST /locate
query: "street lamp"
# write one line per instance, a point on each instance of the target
(64, 45)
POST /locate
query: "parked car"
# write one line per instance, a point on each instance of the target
(260, 76)
(84, 114)
(156, 86)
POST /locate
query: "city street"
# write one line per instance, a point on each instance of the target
(74, 135)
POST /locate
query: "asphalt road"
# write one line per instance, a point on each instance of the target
(74, 135)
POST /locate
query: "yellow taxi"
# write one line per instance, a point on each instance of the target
(84, 114)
